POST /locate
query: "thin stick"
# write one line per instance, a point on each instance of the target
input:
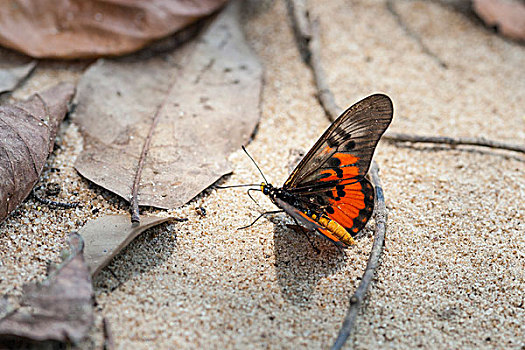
(426, 50)
(373, 261)
(472, 141)
(301, 26)
(307, 35)
(308, 31)
(324, 94)
(109, 344)
(52, 202)
(134, 202)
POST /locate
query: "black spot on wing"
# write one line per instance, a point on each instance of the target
(334, 162)
(350, 145)
(332, 142)
(340, 190)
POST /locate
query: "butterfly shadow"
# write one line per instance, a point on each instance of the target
(300, 265)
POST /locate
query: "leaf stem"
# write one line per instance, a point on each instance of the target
(134, 201)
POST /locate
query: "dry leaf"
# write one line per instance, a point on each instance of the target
(58, 309)
(27, 135)
(507, 16)
(11, 77)
(106, 236)
(210, 110)
(80, 29)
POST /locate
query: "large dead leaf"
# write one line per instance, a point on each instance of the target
(507, 15)
(58, 309)
(79, 28)
(27, 135)
(11, 77)
(106, 236)
(210, 110)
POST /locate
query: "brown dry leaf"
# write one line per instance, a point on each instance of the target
(508, 16)
(59, 309)
(106, 236)
(10, 78)
(210, 110)
(80, 29)
(27, 136)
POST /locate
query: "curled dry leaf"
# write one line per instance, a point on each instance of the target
(27, 135)
(10, 78)
(197, 105)
(80, 29)
(59, 309)
(106, 236)
(507, 15)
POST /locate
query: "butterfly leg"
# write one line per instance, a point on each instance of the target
(249, 195)
(260, 216)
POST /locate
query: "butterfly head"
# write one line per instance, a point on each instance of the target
(267, 189)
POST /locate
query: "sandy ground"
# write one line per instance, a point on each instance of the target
(453, 271)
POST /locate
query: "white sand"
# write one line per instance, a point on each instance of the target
(452, 275)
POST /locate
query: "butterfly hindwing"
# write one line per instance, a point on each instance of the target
(351, 205)
(307, 222)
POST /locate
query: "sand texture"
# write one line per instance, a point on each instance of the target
(453, 270)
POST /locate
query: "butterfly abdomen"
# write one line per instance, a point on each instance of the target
(335, 229)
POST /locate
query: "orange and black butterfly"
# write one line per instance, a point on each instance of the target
(328, 192)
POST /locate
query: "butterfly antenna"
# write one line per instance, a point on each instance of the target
(233, 186)
(248, 154)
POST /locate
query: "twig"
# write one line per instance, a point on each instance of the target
(52, 202)
(134, 201)
(109, 344)
(307, 34)
(311, 55)
(116, 277)
(391, 8)
(373, 261)
(324, 94)
(472, 141)
(301, 26)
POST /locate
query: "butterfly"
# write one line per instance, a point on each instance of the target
(327, 192)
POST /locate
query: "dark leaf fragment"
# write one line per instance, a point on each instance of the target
(58, 309)
(27, 136)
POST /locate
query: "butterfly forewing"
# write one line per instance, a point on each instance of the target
(345, 150)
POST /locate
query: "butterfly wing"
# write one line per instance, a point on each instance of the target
(347, 146)
(330, 178)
